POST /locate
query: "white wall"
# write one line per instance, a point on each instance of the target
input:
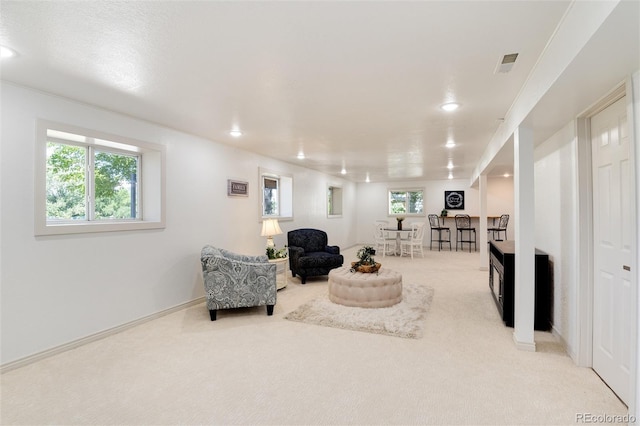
(372, 202)
(556, 218)
(58, 289)
(55, 290)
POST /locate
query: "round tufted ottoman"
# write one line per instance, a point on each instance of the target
(365, 290)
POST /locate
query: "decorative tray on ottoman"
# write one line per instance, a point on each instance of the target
(366, 268)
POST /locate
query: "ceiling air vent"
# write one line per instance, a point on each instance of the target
(506, 63)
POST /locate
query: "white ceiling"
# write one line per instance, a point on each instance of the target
(351, 84)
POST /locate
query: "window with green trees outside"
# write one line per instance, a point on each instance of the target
(406, 202)
(90, 181)
(84, 183)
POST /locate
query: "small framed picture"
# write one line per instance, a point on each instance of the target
(237, 188)
(454, 200)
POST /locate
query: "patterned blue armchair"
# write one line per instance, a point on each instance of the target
(237, 281)
(310, 255)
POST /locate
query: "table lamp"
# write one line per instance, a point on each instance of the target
(270, 228)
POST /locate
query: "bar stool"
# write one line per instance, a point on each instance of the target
(463, 224)
(502, 227)
(434, 222)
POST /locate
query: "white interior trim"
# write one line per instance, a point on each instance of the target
(584, 243)
(524, 346)
(152, 190)
(633, 110)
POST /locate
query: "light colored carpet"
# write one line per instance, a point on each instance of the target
(248, 368)
(405, 319)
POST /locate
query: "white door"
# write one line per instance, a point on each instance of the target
(613, 298)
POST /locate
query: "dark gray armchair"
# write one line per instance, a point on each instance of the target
(237, 281)
(309, 254)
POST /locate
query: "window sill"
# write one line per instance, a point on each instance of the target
(86, 227)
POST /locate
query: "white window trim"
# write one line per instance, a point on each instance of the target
(152, 193)
(333, 191)
(276, 179)
(285, 194)
(402, 189)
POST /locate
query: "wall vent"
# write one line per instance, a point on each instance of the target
(506, 63)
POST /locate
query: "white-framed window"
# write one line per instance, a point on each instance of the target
(276, 199)
(406, 202)
(334, 201)
(270, 196)
(89, 181)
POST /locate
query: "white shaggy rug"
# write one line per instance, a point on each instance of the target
(405, 319)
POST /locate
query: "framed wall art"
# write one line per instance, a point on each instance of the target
(237, 188)
(454, 200)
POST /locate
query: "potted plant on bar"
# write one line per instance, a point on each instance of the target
(366, 263)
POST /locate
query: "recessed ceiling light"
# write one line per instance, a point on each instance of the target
(301, 155)
(235, 133)
(450, 165)
(343, 171)
(450, 175)
(451, 106)
(506, 175)
(367, 178)
(5, 52)
(450, 143)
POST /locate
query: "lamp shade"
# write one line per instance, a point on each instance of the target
(270, 227)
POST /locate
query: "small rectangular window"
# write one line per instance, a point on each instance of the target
(66, 182)
(334, 201)
(91, 182)
(270, 197)
(84, 183)
(277, 195)
(115, 185)
(406, 202)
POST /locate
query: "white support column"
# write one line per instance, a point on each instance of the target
(484, 252)
(524, 282)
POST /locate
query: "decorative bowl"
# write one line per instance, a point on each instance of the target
(366, 268)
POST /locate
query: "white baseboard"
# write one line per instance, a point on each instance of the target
(524, 346)
(92, 338)
(563, 342)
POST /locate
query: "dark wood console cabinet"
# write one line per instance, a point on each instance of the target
(501, 283)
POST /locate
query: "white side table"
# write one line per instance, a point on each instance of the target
(282, 267)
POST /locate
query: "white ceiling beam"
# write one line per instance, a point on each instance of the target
(580, 22)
